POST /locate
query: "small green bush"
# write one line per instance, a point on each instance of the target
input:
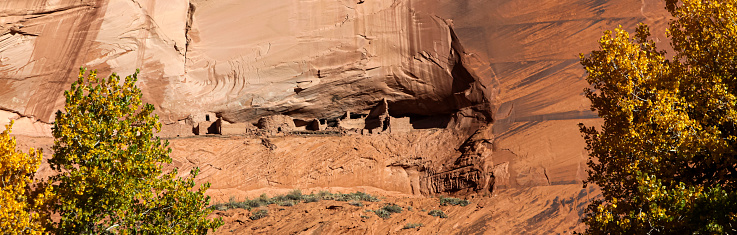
(259, 214)
(310, 198)
(262, 200)
(383, 213)
(444, 201)
(231, 204)
(357, 196)
(386, 211)
(412, 225)
(291, 199)
(295, 197)
(392, 208)
(438, 213)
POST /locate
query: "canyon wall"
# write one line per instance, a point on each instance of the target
(510, 62)
(243, 60)
(502, 76)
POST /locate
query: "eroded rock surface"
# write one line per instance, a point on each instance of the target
(453, 63)
(500, 80)
(243, 59)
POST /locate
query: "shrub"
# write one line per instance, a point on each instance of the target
(438, 213)
(259, 214)
(324, 195)
(384, 214)
(393, 208)
(262, 200)
(356, 196)
(310, 198)
(295, 195)
(386, 211)
(444, 201)
(231, 204)
(293, 198)
(108, 165)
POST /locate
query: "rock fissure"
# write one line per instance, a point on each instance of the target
(34, 14)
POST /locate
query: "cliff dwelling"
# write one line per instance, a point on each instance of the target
(377, 120)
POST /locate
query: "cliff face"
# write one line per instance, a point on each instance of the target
(501, 75)
(244, 60)
(510, 62)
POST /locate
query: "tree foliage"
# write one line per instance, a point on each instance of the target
(22, 207)
(666, 155)
(109, 166)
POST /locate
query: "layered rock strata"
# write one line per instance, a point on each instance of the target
(243, 60)
(455, 64)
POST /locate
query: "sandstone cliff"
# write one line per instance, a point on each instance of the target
(494, 87)
(244, 60)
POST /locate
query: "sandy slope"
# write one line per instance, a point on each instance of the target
(534, 210)
(241, 166)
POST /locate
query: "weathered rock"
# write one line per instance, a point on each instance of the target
(467, 62)
(510, 61)
(24, 125)
(470, 172)
(308, 59)
(455, 63)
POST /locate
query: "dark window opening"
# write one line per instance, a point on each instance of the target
(207, 117)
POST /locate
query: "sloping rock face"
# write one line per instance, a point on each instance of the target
(242, 59)
(533, 47)
(246, 60)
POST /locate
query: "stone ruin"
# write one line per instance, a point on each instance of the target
(376, 121)
(199, 124)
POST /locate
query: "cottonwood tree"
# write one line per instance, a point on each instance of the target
(22, 205)
(666, 155)
(109, 166)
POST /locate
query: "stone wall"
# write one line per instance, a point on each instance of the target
(399, 125)
(352, 124)
(278, 123)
